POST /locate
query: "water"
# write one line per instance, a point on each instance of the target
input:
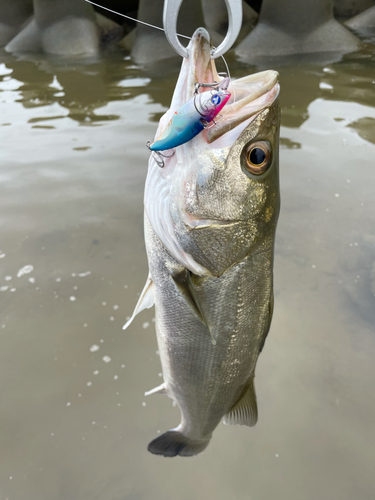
(74, 421)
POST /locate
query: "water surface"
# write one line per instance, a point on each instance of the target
(74, 422)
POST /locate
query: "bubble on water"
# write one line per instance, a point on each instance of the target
(3, 288)
(2, 326)
(79, 395)
(158, 353)
(68, 403)
(313, 266)
(10, 477)
(52, 434)
(146, 324)
(32, 280)
(160, 374)
(115, 307)
(277, 455)
(104, 303)
(337, 195)
(58, 280)
(94, 348)
(106, 359)
(13, 289)
(8, 278)
(96, 372)
(74, 274)
(88, 383)
(348, 181)
(118, 404)
(2, 255)
(83, 275)
(174, 403)
(111, 318)
(125, 286)
(143, 403)
(37, 288)
(122, 366)
(72, 298)
(93, 423)
(101, 341)
(25, 270)
(153, 320)
(85, 325)
(115, 377)
(75, 288)
(327, 86)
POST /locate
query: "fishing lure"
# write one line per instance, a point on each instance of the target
(193, 116)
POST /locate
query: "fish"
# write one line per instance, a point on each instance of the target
(210, 220)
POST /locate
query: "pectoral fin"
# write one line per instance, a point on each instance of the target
(187, 290)
(245, 411)
(186, 287)
(146, 300)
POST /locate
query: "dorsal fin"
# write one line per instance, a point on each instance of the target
(245, 411)
(146, 300)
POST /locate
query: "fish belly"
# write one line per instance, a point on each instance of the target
(207, 380)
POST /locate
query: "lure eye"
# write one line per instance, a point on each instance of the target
(216, 99)
(258, 157)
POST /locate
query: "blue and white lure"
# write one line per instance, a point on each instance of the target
(193, 116)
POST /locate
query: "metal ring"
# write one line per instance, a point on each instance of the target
(170, 15)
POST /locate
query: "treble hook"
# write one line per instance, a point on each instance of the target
(170, 15)
(158, 156)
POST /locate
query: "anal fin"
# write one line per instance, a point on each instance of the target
(160, 389)
(245, 411)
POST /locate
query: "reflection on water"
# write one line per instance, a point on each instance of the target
(74, 421)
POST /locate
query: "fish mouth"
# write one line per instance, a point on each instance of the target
(249, 95)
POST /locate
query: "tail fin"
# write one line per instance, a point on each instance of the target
(174, 443)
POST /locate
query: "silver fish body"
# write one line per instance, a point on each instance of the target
(209, 228)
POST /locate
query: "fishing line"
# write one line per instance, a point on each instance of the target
(150, 25)
(133, 19)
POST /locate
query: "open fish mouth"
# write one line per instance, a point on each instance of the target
(249, 95)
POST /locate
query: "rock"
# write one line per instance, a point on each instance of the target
(288, 27)
(66, 28)
(365, 20)
(343, 9)
(13, 16)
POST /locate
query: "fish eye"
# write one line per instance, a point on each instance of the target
(258, 157)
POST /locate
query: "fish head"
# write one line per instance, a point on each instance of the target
(218, 198)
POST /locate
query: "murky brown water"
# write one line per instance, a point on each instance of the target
(74, 423)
